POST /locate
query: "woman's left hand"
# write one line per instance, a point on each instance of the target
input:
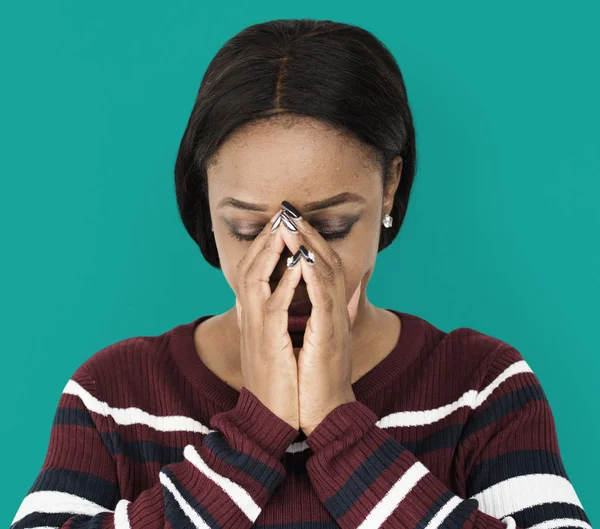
(325, 360)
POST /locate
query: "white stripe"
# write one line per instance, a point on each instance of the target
(557, 523)
(423, 417)
(514, 369)
(394, 496)
(443, 513)
(238, 494)
(172, 423)
(522, 492)
(191, 513)
(128, 416)
(50, 501)
(121, 516)
(470, 398)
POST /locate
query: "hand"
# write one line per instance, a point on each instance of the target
(268, 364)
(324, 361)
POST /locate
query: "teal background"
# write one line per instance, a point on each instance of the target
(501, 235)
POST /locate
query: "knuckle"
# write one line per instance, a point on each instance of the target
(329, 275)
(270, 306)
(241, 265)
(247, 280)
(328, 303)
(309, 229)
(336, 261)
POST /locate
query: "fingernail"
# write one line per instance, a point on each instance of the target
(276, 223)
(290, 210)
(308, 255)
(291, 261)
(288, 223)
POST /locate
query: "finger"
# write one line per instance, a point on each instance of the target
(246, 261)
(311, 238)
(277, 306)
(325, 283)
(328, 264)
(323, 296)
(256, 246)
(257, 279)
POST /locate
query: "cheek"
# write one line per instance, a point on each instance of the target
(358, 253)
(359, 249)
(230, 254)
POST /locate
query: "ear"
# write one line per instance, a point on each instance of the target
(391, 187)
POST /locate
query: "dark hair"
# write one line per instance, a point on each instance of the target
(337, 73)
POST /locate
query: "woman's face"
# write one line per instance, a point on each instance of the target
(304, 162)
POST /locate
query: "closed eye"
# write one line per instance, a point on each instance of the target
(329, 236)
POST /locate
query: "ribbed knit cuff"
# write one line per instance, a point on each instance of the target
(257, 423)
(350, 420)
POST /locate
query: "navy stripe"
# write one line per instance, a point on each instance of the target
(549, 511)
(41, 519)
(295, 464)
(192, 501)
(84, 521)
(433, 510)
(173, 513)
(503, 406)
(268, 477)
(76, 416)
(458, 516)
(447, 437)
(363, 477)
(299, 525)
(82, 484)
(512, 464)
(77, 521)
(143, 450)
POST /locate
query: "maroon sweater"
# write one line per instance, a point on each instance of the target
(451, 430)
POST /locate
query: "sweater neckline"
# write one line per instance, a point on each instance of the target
(197, 373)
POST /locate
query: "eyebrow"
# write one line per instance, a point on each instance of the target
(342, 198)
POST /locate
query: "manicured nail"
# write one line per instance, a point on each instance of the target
(291, 261)
(276, 223)
(288, 223)
(308, 255)
(290, 210)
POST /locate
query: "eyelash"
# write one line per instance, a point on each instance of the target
(327, 236)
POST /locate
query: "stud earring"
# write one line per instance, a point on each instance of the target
(387, 220)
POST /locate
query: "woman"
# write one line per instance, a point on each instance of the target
(304, 403)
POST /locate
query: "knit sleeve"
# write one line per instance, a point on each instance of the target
(513, 474)
(224, 482)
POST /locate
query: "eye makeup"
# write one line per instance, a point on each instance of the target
(329, 231)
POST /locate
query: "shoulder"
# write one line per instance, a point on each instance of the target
(123, 372)
(473, 355)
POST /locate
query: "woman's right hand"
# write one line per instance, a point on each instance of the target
(268, 364)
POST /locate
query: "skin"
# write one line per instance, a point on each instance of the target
(302, 160)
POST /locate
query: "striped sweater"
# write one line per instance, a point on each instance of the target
(450, 430)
